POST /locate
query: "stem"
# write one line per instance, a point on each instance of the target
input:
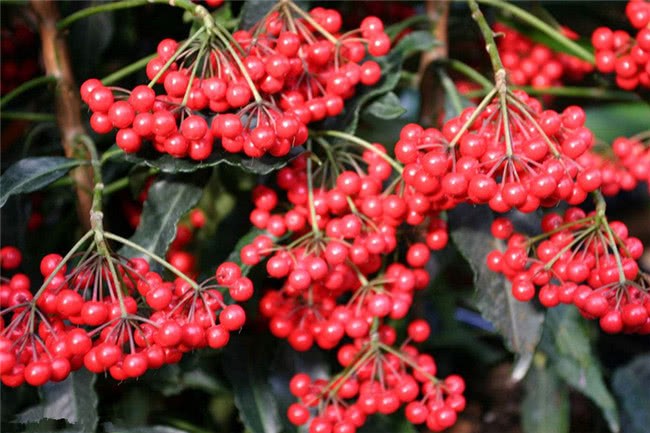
(27, 116)
(187, 5)
(154, 257)
(177, 53)
(365, 145)
(56, 59)
(570, 91)
(310, 192)
(28, 85)
(551, 32)
(127, 70)
(488, 35)
(313, 23)
(477, 112)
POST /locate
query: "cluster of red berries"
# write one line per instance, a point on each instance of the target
(19, 52)
(110, 315)
(338, 238)
(378, 378)
(617, 52)
(628, 166)
(579, 259)
(508, 153)
(535, 64)
(264, 85)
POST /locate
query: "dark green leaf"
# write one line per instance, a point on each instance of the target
(545, 408)
(608, 121)
(87, 44)
(32, 174)
(253, 11)
(415, 42)
(395, 29)
(246, 365)
(566, 341)
(519, 323)
(169, 164)
(386, 107)
(169, 198)
(73, 400)
(631, 384)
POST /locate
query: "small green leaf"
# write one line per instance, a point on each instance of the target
(73, 400)
(169, 198)
(144, 429)
(32, 174)
(168, 164)
(545, 408)
(520, 323)
(386, 107)
(246, 365)
(566, 341)
(631, 384)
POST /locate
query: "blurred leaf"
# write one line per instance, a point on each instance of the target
(32, 174)
(385, 107)
(519, 323)
(253, 11)
(73, 400)
(608, 121)
(169, 198)
(414, 42)
(144, 429)
(395, 29)
(631, 384)
(387, 424)
(566, 341)
(87, 44)
(246, 365)
(545, 408)
(169, 164)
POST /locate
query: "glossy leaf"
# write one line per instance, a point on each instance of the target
(168, 164)
(631, 384)
(33, 174)
(246, 365)
(567, 343)
(520, 323)
(386, 107)
(73, 400)
(608, 121)
(169, 198)
(545, 408)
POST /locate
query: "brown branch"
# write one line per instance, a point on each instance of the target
(56, 59)
(431, 91)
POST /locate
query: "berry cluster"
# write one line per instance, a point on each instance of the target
(110, 315)
(579, 259)
(507, 152)
(617, 52)
(253, 91)
(535, 64)
(378, 378)
(628, 165)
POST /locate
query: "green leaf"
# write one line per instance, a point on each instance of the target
(520, 323)
(386, 107)
(631, 384)
(253, 11)
(415, 42)
(168, 164)
(566, 341)
(32, 174)
(73, 400)
(169, 198)
(608, 121)
(246, 365)
(545, 408)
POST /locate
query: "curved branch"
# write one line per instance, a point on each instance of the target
(56, 59)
